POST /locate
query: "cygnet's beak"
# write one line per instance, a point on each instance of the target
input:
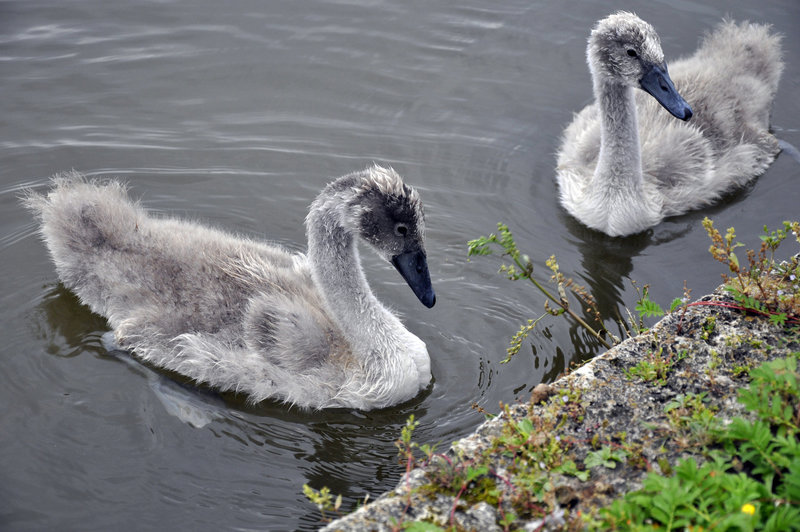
(413, 266)
(658, 84)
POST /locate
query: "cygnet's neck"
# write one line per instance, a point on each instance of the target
(336, 269)
(619, 166)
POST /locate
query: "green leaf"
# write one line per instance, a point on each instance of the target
(606, 457)
(475, 472)
(733, 259)
(778, 319)
(481, 246)
(676, 303)
(583, 476)
(524, 427)
(648, 309)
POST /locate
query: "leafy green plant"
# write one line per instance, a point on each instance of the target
(719, 495)
(523, 487)
(647, 308)
(761, 285)
(774, 394)
(516, 341)
(709, 325)
(606, 457)
(656, 366)
(405, 444)
(693, 423)
(521, 267)
(534, 442)
(323, 499)
(695, 497)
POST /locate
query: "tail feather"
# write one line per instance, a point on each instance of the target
(81, 215)
(81, 221)
(747, 48)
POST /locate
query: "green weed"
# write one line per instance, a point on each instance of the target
(323, 499)
(656, 366)
(719, 495)
(606, 457)
(520, 267)
(762, 285)
(693, 423)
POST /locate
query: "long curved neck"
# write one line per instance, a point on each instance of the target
(336, 270)
(619, 165)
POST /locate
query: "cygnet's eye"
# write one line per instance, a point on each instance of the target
(401, 229)
(632, 52)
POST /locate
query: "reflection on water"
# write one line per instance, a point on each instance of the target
(186, 402)
(238, 114)
(69, 328)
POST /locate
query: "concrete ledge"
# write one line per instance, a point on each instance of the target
(712, 344)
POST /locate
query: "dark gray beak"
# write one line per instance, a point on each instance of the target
(658, 84)
(413, 266)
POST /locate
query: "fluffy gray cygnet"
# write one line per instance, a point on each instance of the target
(247, 316)
(625, 164)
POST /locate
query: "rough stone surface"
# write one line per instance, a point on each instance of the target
(713, 345)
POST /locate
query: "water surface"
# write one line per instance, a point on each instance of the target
(238, 113)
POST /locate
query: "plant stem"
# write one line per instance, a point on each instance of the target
(736, 307)
(561, 304)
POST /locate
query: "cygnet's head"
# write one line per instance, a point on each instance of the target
(387, 214)
(625, 49)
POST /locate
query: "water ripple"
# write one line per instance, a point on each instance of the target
(27, 231)
(238, 113)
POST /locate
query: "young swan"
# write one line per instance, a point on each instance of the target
(624, 164)
(247, 316)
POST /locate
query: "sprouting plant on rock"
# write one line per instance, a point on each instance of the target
(761, 284)
(520, 267)
(655, 366)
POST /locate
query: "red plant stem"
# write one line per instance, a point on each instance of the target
(734, 307)
(455, 502)
(409, 465)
